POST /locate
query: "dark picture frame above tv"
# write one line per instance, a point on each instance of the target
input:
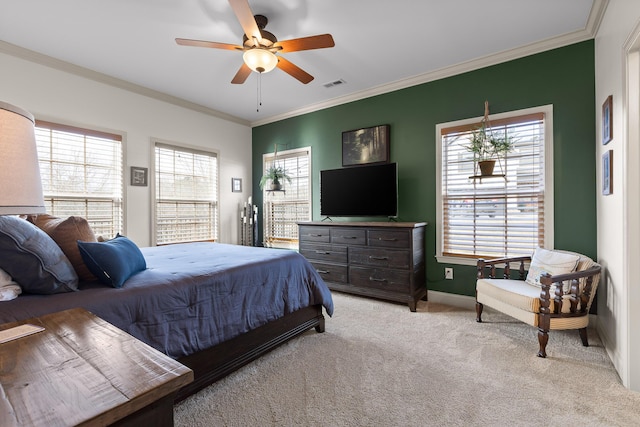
(362, 191)
(366, 146)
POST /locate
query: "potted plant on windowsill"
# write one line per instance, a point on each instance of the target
(275, 174)
(486, 147)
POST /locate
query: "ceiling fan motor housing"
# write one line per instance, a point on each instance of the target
(268, 39)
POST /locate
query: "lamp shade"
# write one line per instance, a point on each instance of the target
(260, 60)
(20, 184)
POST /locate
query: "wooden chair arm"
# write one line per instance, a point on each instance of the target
(578, 298)
(548, 280)
(492, 263)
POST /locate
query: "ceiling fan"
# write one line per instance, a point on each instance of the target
(260, 47)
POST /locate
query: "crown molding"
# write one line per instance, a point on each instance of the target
(68, 67)
(596, 15)
(593, 22)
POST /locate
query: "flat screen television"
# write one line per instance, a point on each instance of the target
(370, 190)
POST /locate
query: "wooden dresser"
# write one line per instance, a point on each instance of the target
(376, 259)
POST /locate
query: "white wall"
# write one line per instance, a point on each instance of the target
(58, 96)
(619, 298)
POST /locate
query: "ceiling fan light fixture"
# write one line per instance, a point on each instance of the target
(260, 47)
(260, 60)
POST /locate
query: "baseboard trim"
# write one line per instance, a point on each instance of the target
(462, 301)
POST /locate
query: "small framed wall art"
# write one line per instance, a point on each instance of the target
(236, 185)
(363, 146)
(607, 120)
(607, 172)
(139, 176)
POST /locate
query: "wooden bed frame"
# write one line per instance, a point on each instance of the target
(220, 360)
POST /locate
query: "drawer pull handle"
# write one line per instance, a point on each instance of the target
(323, 253)
(349, 237)
(379, 258)
(373, 279)
(315, 235)
(322, 271)
(387, 240)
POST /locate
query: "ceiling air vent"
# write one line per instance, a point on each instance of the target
(334, 83)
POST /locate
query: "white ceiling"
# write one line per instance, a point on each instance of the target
(380, 45)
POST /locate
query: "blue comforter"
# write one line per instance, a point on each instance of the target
(193, 296)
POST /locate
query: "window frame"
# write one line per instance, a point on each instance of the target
(269, 157)
(547, 110)
(155, 142)
(118, 202)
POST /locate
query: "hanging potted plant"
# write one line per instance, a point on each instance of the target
(486, 147)
(275, 174)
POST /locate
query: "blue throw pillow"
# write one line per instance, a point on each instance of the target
(112, 261)
(33, 259)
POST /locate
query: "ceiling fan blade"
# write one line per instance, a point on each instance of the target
(203, 43)
(241, 75)
(306, 43)
(245, 16)
(294, 71)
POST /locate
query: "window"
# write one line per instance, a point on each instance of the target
(284, 209)
(186, 195)
(506, 215)
(81, 173)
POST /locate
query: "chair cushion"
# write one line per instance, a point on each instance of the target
(584, 263)
(552, 262)
(518, 293)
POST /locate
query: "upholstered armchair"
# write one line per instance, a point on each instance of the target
(556, 292)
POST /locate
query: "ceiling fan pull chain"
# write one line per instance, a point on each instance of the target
(259, 94)
(260, 83)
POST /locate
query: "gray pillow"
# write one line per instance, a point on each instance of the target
(33, 259)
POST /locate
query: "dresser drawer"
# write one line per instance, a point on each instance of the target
(314, 234)
(330, 253)
(389, 238)
(348, 236)
(380, 278)
(331, 272)
(380, 257)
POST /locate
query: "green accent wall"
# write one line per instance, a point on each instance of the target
(564, 77)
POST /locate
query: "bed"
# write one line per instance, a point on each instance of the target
(214, 307)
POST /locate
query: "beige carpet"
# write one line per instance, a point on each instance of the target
(378, 364)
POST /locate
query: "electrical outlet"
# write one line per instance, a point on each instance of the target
(448, 273)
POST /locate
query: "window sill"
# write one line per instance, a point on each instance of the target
(456, 260)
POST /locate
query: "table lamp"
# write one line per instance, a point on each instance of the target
(20, 183)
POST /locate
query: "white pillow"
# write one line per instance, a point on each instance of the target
(8, 288)
(552, 262)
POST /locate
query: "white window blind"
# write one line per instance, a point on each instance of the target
(186, 205)
(498, 216)
(81, 173)
(284, 209)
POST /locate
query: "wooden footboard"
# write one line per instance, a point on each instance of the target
(216, 362)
